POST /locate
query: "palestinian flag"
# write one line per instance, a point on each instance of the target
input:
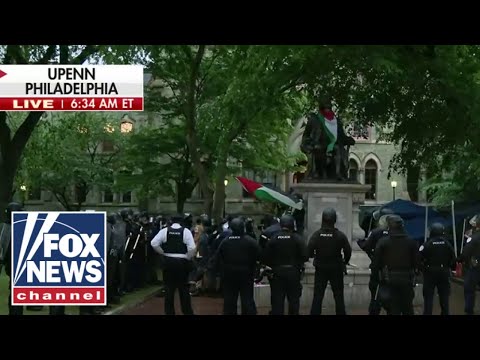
(329, 123)
(267, 193)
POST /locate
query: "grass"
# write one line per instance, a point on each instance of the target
(69, 310)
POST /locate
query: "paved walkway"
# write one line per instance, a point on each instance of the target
(213, 306)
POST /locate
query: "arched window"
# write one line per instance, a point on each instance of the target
(353, 170)
(371, 170)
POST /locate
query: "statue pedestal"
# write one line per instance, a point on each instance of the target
(345, 198)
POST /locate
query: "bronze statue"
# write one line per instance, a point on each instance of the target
(326, 145)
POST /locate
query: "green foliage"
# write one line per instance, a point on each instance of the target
(242, 99)
(158, 162)
(66, 152)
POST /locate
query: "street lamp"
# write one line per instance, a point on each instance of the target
(225, 182)
(394, 185)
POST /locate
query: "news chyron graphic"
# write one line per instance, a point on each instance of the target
(59, 258)
(71, 88)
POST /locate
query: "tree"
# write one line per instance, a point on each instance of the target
(12, 143)
(158, 163)
(65, 156)
(426, 95)
(254, 109)
(224, 95)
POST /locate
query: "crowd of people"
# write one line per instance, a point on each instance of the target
(201, 258)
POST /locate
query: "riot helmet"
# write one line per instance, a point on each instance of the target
(287, 222)
(125, 214)
(437, 229)
(395, 224)
(329, 216)
(237, 226)
(379, 213)
(188, 220)
(13, 206)
(136, 216)
(112, 218)
(178, 219)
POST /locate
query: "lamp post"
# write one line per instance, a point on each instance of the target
(394, 186)
(225, 182)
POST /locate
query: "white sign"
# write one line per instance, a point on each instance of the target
(71, 87)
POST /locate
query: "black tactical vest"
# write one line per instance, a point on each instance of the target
(174, 243)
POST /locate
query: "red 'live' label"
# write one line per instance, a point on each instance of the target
(71, 104)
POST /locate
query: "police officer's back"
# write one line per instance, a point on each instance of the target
(368, 245)
(237, 257)
(325, 247)
(396, 257)
(470, 257)
(177, 246)
(437, 260)
(286, 254)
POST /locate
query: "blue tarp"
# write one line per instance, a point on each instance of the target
(414, 217)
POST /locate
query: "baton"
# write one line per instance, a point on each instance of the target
(136, 242)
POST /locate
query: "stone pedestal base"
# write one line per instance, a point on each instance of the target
(356, 292)
(344, 198)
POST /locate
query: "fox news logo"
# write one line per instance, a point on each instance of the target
(58, 258)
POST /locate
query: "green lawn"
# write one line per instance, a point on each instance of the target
(70, 310)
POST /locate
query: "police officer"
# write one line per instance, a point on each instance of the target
(396, 258)
(5, 254)
(138, 256)
(203, 256)
(368, 245)
(112, 260)
(176, 244)
(470, 257)
(250, 228)
(124, 229)
(237, 257)
(272, 227)
(325, 247)
(437, 259)
(286, 254)
(150, 255)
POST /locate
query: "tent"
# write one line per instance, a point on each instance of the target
(414, 217)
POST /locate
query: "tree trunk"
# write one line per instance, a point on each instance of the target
(7, 176)
(208, 205)
(182, 195)
(413, 181)
(191, 118)
(219, 197)
(11, 150)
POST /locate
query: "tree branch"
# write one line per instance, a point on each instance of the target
(16, 54)
(48, 54)
(85, 54)
(64, 54)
